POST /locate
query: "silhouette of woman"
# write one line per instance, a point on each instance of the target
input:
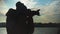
(20, 21)
(15, 22)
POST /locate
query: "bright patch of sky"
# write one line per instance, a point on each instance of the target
(43, 2)
(11, 4)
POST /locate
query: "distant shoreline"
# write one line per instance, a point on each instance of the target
(38, 25)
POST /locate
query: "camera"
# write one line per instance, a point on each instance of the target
(32, 13)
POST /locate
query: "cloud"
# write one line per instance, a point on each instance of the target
(2, 17)
(1, 14)
(2, 4)
(50, 13)
(3, 7)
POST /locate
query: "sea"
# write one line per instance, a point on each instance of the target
(37, 30)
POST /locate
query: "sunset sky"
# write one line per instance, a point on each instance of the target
(49, 9)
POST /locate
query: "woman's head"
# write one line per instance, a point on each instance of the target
(19, 4)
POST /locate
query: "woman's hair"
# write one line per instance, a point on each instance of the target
(18, 4)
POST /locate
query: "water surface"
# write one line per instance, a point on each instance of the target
(38, 30)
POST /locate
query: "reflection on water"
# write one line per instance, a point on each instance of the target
(38, 30)
(3, 31)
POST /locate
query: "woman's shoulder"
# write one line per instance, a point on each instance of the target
(10, 11)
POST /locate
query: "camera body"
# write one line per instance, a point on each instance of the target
(32, 13)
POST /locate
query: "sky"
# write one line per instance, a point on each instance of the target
(49, 9)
